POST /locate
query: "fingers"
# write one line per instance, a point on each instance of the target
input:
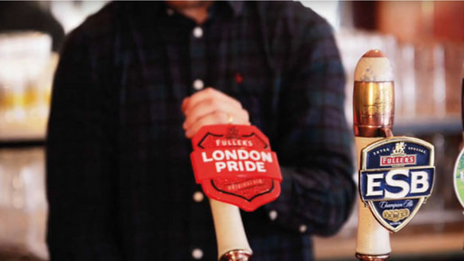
(210, 107)
(216, 117)
(207, 94)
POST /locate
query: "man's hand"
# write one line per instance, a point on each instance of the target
(209, 107)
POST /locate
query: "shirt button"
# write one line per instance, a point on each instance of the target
(303, 228)
(198, 84)
(198, 196)
(197, 253)
(197, 32)
(273, 215)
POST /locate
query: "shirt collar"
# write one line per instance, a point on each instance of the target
(237, 6)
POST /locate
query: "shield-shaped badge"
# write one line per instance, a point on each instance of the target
(396, 177)
(235, 164)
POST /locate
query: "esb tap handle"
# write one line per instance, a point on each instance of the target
(373, 113)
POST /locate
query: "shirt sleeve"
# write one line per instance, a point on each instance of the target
(80, 178)
(314, 143)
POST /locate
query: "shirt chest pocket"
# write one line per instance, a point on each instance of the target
(256, 90)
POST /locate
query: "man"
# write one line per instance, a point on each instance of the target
(132, 89)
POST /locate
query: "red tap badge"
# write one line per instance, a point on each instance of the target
(235, 164)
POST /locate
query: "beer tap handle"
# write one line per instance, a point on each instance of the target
(373, 111)
(232, 242)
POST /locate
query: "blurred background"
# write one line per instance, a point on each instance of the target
(423, 39)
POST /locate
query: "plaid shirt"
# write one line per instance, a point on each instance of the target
(119, 179)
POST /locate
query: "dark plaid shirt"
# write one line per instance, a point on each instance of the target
(120, 184)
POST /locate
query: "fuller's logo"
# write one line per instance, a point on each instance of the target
(398, 157)
(396, 177)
